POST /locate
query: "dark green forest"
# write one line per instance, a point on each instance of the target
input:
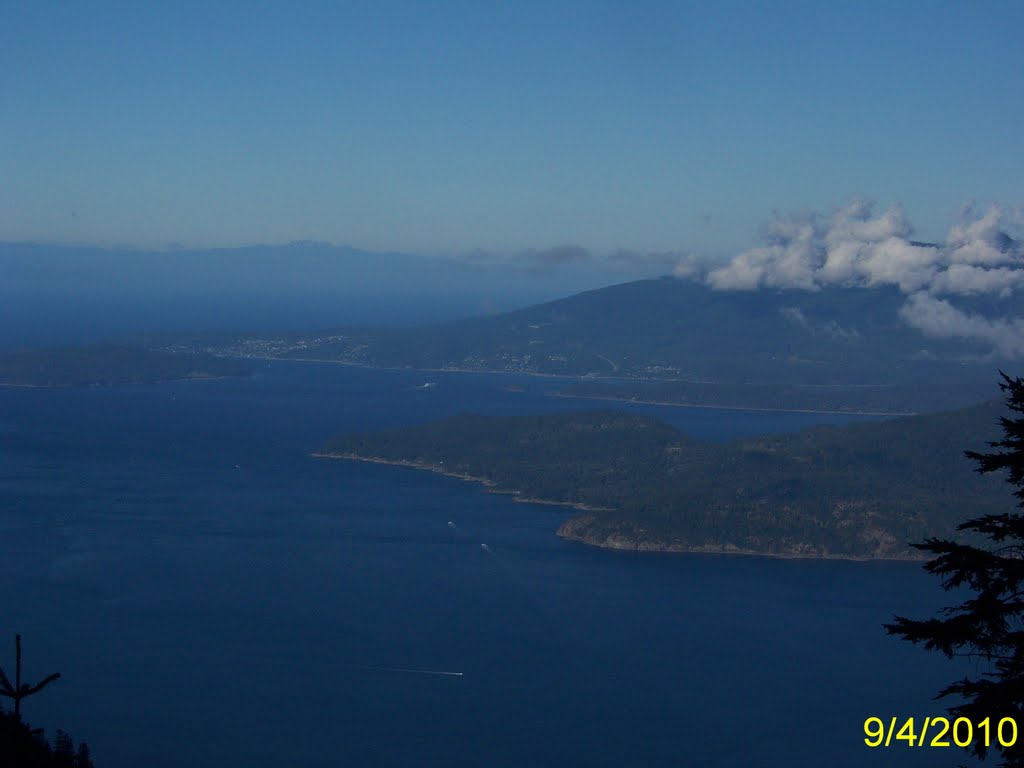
(862, 491)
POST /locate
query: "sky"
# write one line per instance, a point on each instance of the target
(448, 128)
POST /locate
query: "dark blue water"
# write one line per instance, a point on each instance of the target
(216, 597)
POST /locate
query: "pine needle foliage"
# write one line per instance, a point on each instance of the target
(988, 626)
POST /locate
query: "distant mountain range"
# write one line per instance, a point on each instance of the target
(833, 349)
(663, 339)
(59, 295)
(300, 268)
(859, 491)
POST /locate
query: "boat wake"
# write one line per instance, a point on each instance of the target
(407, 671)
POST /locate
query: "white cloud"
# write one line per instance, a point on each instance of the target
(940, 319)
(855, 247)
(788, 260)
(830, 328)
(984, 239)
(899, 262)
(796, 315)
(689, 266)
(966, 279)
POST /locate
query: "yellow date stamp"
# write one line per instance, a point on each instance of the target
(939, 732)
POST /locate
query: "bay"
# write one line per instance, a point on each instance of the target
(215, 597)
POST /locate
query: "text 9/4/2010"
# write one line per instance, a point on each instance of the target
(939, 732)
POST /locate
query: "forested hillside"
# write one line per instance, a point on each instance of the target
(862, 491)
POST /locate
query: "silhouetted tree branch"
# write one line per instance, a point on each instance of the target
(20, 690)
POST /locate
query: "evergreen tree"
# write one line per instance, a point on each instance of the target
(82, 758)
(63, 749)
(22, 746)
(988, 626)
(19, 690)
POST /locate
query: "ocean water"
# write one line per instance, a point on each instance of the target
(216, 597)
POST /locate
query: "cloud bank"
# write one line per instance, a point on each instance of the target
(854, 246)
(983, 254)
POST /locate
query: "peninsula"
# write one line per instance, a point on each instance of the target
(863, 491)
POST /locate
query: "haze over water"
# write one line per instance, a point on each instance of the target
(215, 597)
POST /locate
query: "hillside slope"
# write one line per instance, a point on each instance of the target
(668, 329)
(859, 491)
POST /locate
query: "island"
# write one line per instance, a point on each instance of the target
(862, 491)
(101, 365)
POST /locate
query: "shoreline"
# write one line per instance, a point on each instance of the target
(126, 383)
(893, 414)
(489, 484)
(623, 545)
(367, 366)
(627, 545)
(582, 377)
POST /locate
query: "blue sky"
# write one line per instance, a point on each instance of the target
(449, 127)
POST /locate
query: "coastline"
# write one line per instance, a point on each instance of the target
(611, 543)
(892, 414)
(367, 366)
(491, 485)
(626, 544)
(582, 377)
(123, 383)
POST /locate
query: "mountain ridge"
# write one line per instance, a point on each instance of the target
(669, 329)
